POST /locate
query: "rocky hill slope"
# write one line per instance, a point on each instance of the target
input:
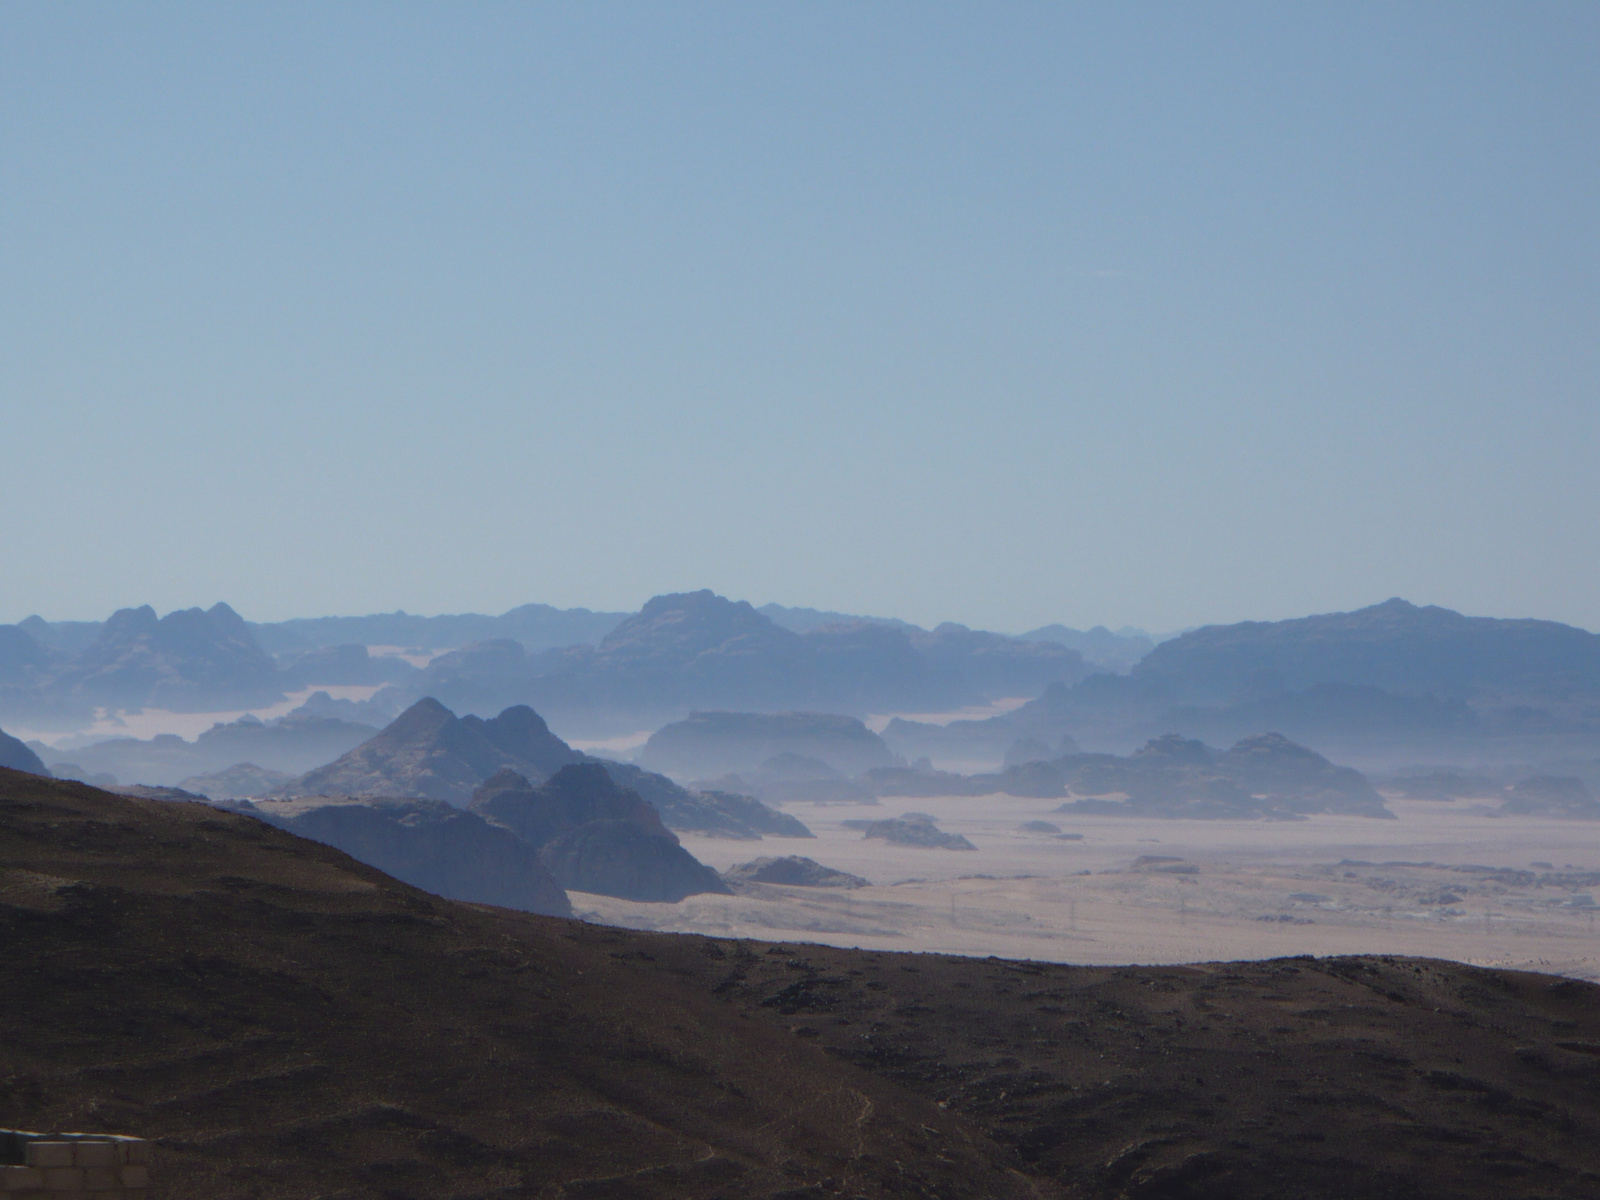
(283, 1021)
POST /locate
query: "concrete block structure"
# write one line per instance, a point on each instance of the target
(73, 1166)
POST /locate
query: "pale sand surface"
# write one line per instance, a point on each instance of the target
(149, 722)
(1262, 889)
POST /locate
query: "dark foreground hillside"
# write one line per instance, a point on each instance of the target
(285, 1022)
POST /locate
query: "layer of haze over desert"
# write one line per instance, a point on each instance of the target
(1027, 571)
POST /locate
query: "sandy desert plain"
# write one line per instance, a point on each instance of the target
(1444, 880)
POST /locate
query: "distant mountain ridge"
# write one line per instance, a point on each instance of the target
(691, 650)
(698, 650)
(1396, 646)
(1384, 685)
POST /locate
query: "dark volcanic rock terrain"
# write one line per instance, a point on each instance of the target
(286, 1022)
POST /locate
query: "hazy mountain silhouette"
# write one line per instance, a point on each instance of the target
(341, 666)
(16, 755)
(714, 743)
(1099, 646)
(535, 626)
(697, 650)
(187, 661)
(1170, 776)
(293, 744)
(1395, 646)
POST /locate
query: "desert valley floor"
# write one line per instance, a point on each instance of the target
(1206, 890)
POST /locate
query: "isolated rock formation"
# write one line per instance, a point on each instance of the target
(911, 829)
(791, 871)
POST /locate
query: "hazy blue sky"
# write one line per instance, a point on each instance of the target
(1007, 314)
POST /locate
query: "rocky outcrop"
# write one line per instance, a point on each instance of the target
(429, 751)
(911, 829)
(428, 844)
(791, 871)
(620, 858)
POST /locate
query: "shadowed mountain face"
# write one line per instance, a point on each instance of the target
(618, 858)
(573, 796)
(306, 1020)
(430, 845)
(594, 836)
(16, 756)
